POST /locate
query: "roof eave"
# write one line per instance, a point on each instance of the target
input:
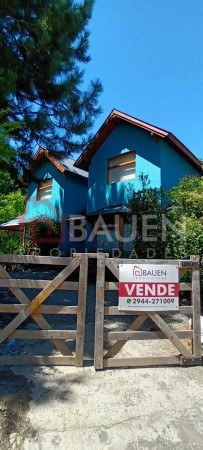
(42, 152)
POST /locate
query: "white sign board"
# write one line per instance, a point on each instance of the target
(148, 287)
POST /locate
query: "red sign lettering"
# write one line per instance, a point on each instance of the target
(150, 289)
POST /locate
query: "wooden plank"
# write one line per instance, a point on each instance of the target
(113, 263)
(44, 309)
(169, 333)
(37, 317)
(31, 259)
(44, 334)
(90, 255)
(173, 262)
(37, 360)
(37, 284)
(145, 261)
(186, 310)
(38, 300)
(114, 311)
(121, 232)
(185, 286)
(82, 295)
(142, 362)
(134, 326)
(113, 286)
(112, 267)
(196, 310)
(99, 313)
(144, 335)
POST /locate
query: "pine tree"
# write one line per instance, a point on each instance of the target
(43, 49)
(10, 178)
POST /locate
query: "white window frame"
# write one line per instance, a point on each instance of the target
(116, 162)
(43, 187)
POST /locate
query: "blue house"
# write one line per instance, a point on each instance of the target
(123, 148)
(56, 192)
(94, 189)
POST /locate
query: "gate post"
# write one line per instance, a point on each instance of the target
(197, 353)
(82, 298)
(99, 313)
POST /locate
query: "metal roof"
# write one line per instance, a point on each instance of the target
(119, 209)
(68, 164)
(16, 223)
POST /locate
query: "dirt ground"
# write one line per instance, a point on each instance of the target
(63, 408)
(68, 408)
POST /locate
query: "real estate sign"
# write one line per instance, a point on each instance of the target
(148, 287)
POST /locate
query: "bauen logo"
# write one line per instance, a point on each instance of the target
(138, 272)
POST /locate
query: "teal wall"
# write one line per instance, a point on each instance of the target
(69, 196)
(164, 166)
(173, 166)
(123, 139)
(52, 207)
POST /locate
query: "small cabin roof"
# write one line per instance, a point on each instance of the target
(63, 164)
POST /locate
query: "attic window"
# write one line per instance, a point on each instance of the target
(121, 168)
(44, 189)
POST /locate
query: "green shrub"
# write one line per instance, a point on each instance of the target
(11, 206)
(181, 208)
(187, 211)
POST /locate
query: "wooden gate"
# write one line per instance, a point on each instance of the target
(185, 356)
(36, 308)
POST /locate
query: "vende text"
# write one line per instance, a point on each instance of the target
(148, 289)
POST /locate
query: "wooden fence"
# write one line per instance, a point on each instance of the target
(36, 308)
(184, 357)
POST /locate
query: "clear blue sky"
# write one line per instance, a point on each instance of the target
(149, 57)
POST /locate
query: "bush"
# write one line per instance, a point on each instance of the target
(11, 206)
(187, 212)
(145, 203)
(182, 210)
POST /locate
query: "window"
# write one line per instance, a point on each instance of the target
(121, 168)
(44, 189)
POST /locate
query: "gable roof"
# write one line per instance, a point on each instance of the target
(116, 118)
(63, 165)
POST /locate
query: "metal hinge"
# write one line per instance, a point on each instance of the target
(190, 263)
